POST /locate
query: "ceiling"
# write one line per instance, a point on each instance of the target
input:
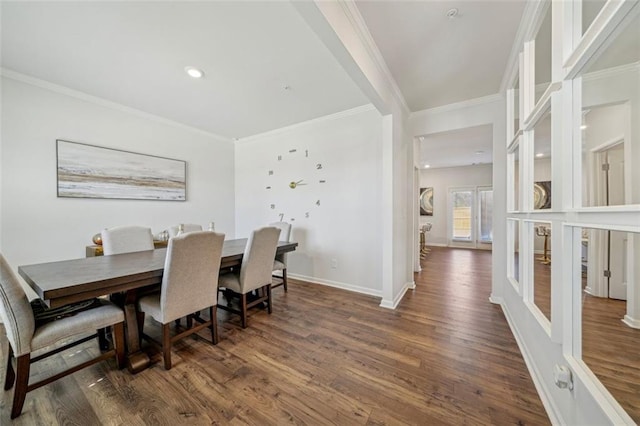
(463, 147)
(264, 67)
(436, 60)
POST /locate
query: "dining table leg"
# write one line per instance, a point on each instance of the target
(137, 360)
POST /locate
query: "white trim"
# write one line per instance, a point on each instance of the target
(337, 284)
(496, 300)
(600, 33)
(36, 82)
(353, 14)
(611, 72)
(437, 245)
(392, 304)
(545, 396)
(458, 105)
(542, 106)
(524, 29)
(631, 322)
(314, 121)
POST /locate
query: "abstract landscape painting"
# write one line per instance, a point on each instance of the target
(87, 171)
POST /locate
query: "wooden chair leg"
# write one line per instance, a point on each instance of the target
(213, 314)
(22, 384)
(166, 346)
(284, 280)
(10, 376)
(189, 321)
(243, 309)
(269, 295)
(118, 342)
(103, 343)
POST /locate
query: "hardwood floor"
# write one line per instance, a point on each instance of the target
(325, 356)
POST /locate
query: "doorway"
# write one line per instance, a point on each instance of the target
(470, 216)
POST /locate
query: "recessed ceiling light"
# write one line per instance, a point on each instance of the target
(539, 154)
(584, 126)
(426, 166)
(194, 72)
(479, 152)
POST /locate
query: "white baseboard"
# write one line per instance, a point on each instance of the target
(549, 405)
(631, 322)
(337, 284)
(392, 304)
(496, 300)
(436, 245)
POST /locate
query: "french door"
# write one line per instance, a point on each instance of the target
(471, 217)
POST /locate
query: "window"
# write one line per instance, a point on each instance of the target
(462, 215)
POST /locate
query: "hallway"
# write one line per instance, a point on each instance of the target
(470, 345)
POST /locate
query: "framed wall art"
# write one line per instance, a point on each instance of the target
(426, 201)
(89, 171)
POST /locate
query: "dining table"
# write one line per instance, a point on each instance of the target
(122, 276)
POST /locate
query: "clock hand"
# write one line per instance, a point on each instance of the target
(294, 184)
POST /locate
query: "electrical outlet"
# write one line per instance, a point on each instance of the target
(334, 263)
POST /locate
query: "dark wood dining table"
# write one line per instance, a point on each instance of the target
(68, 281)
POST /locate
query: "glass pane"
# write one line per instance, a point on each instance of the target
(514, 251)
(609, 344)
(543, 56)
(610, 144)
(486, 215)
(462, 215)
(542, 267)
(542, 164)
(590, 9)
(514, 181)
(516, 106)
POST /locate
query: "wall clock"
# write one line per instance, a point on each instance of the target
(294, 184)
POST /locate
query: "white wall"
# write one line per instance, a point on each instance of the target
(347, 226)
(442, 180)
(37, 226)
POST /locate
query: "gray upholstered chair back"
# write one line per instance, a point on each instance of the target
(15, 311)
(285, 235)
(190, 280)
(126, 239)
(257, 263)
(285, 230)
(188, 227)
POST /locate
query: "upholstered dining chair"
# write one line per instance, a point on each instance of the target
(126, 239)
(255, 271)
(26, 335)
(189, 284)
(186, 227)
(280, 262)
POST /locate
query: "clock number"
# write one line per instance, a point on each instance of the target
(323, 181)
(318, 203)
(270, 172)
(273, 206)
(279, 157)
(318, 166)
(306, 215)
(281, 216)
(268, 187)
(306, 153)
(291, 151)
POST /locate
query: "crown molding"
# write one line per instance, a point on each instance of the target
(524, 31)
(612, 72)
(36, 82)
(354, 16)
(288, 129)
(459, 105)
